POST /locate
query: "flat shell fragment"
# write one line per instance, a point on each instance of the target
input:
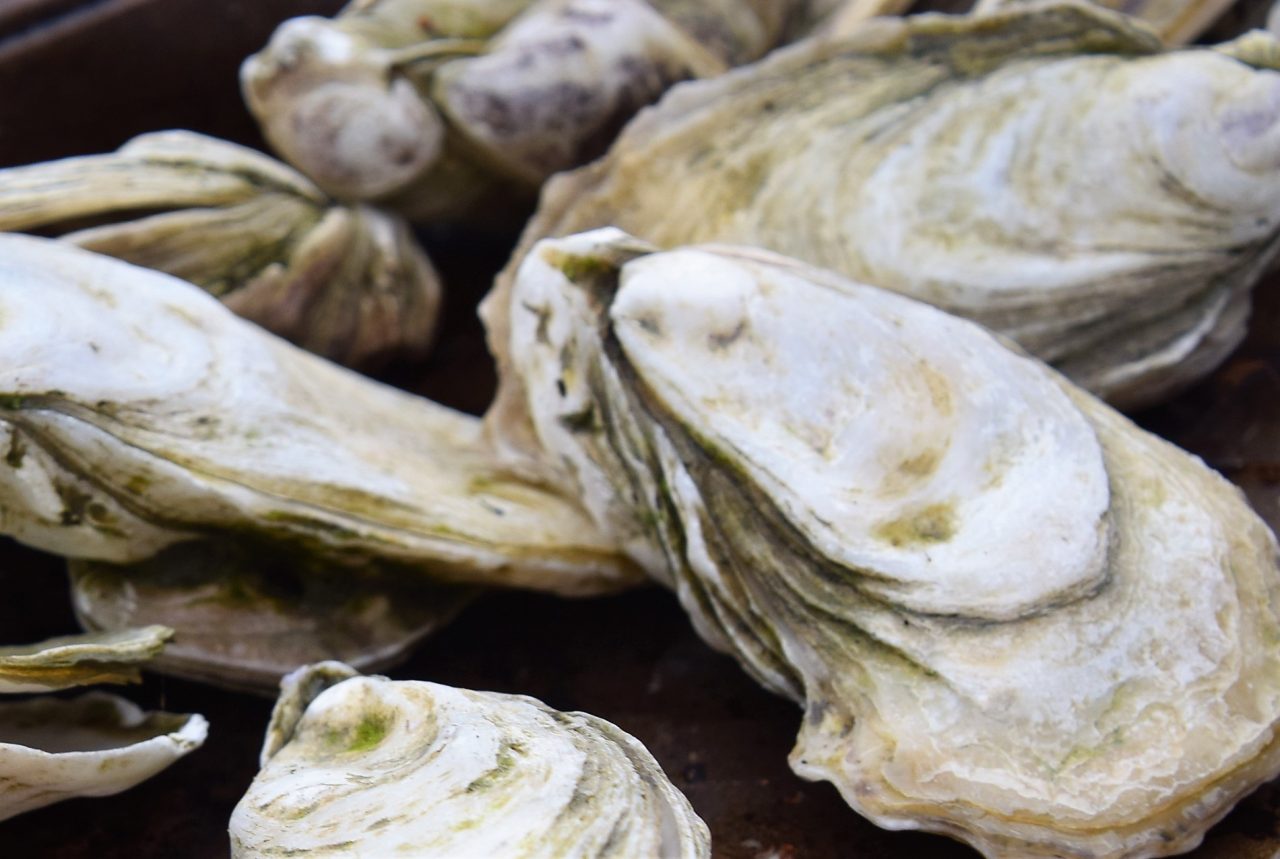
(1049, 172)
(95, 745)
(365, 766)
(246, 613)
(81, 660)
(1012, 616)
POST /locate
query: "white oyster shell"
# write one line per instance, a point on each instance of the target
(137, 412)
(94, 745)
(459, 110)
(347, 282)
(1048, 172)
(364, 766)
(1012, 616)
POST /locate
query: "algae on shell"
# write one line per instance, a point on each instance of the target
(137, 413)
(1050, 172)
(1012, 616)
(357, 766)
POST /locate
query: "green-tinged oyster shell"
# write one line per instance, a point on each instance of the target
(1012, 616)
(53, 749)
(247, 613)
(1050, 172)
(364, 766)
(445, 110)
(80, 660)
(1176, 21)
(347, 282)
(137, 412)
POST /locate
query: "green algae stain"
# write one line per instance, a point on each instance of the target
(366, 734)
(371, 731)
(577, 267)
(933, 524)
(505, 762)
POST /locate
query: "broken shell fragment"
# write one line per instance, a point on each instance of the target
(1049, 172)
(137, 412)
(53, 749)
(247, 613)
(1012, 616)
(80, 660)
(361, 766)
(347, 282)
(445, 110)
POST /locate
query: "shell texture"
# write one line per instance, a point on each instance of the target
(137, 412)
(445, 110)
(80, 660)
(366, 766)
(1176, 21)
(1049, 172)
(53, 749)
(1011, 616)
(246, 613)
(347, 282)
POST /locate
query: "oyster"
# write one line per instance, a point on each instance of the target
(80, 660)
(358, 766)
(53, 749)
(247, 613)
(447, 109)
(1049, 172)
(137, 412)
(347, 282)
(1012, 616)
(1176, 21)
(97, 744)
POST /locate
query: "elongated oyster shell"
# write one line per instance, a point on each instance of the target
(347, 282)
(362, 766)
(137, 412)
(447, 110)
(246, 613)
(1012, 616)
(95, 745)
(1176, 21)
(1048, 172)
(80, 660)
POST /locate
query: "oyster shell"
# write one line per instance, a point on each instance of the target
(347, 282)
(1012, 616)
(95, 745)
(1176, 21)
(367, 766)
(137, 412)
(1049, 172)
(461, 115)
(80, 660)
(247, 613)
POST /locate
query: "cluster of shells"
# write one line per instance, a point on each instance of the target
(822, 322)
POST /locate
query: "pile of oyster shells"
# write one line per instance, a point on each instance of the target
(828, 339)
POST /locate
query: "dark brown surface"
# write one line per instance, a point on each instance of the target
(83, 81)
